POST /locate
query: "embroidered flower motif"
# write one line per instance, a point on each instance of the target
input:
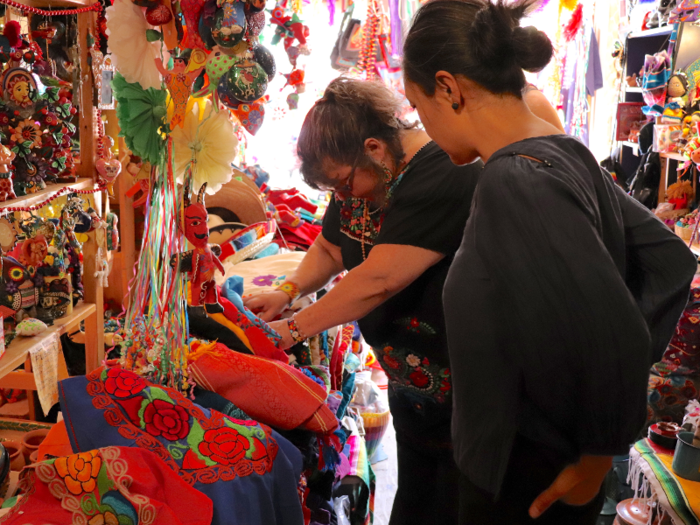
(264, 280)
(391, 362)
(167, 420)
(665, 389)
(4, 119)
(224, 445)
(108, 518)
(419, 378)
(27, 131)
(119, 382)
(79, 471)
(412, 360)
(689, 392)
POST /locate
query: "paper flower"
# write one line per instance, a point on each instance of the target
(131, 51)
(141, 114)
(27, 131)
(211, 140)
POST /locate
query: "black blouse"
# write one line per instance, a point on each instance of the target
(428, 209)
(563, 293)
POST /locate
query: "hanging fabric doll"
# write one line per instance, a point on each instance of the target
(179, 84)
(7, 191)
(202, 261)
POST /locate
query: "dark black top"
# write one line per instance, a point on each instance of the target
(428, 208)
(563, 293)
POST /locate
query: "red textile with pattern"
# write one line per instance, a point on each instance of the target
(124, 485)
(269, 391)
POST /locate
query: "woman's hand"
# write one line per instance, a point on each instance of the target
(268, 305)
(576, 485)
(282, 328)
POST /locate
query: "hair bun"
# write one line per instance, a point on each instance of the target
(491, 23)
(533, 49)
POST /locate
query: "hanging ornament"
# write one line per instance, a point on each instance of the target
(132, 53)
(217, 65)
(246, 81)
(158, 15)
(229, 24)
(200, 140)
(179, 84)
(256, 23)
(293, 100)
(251, 116)
(255, 6)
(191, 11)
(263, 57)
(7, 191)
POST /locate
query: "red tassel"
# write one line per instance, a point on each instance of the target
(574, 23)
(12, 32)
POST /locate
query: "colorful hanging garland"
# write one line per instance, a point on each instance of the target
(97, 7)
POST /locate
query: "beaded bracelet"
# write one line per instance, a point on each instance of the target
(291, 289)
(294, 331)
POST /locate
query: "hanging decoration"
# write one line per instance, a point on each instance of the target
(134, 56)
(199, 140)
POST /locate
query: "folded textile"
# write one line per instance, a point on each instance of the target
(110, 486)
(677, 497)
(267, 390)
(249, 471)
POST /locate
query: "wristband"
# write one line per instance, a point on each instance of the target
(294, 331)
(291, 289)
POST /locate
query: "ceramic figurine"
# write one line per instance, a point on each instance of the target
(179, 84)
(7, 191)
(107, 166)
(202, 261)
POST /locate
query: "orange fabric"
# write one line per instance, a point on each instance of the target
(267, 390)
(56, 442)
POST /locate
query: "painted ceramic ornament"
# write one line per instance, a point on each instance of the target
(256, 23)
(191, 11)
(34, 250)
(255, 6)
(293, 100)
(17, 87)
(263, 57)
(205, 32)
(158, 15)
(251, 116)
(246, 81)
(17, 290)
(225, 97)
(55, 297)
(217, 65)
(7, 191)
(229, 24)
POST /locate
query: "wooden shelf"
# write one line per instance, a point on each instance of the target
(42, 195)
(659, 31)
(17, 351)
(673, 156)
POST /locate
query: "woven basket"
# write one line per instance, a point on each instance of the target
(685, 233)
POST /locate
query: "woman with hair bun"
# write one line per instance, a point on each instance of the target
(564, 289)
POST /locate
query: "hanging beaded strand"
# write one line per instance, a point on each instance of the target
(97, 7)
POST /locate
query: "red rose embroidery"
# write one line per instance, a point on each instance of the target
(122, 383)
(446, 386)
(224, 445)
(167, 420)
(419, 378)
(391, 362)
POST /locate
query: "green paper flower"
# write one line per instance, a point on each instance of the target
(141, 115)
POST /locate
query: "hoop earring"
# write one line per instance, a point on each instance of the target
(388, 176)
(455, 106)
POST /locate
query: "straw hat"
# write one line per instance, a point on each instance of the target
(241, 196)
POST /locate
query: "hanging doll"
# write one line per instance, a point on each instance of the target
(107, 166)
(179, 84)
(202, 261)
(680, 194)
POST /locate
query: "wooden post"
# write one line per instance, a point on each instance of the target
(87, 124)
(94, 324)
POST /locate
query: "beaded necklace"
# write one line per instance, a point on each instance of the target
(391, 187)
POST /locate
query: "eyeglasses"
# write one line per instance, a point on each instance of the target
(347, 184)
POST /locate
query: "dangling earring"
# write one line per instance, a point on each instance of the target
(387, 174)
(455, 106)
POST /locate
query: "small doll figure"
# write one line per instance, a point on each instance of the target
(107, 166)
(179, 83)
(678, 89)
(202, 261)
(7, 191)
(680, 194)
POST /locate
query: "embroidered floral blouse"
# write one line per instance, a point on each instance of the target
(428, 208)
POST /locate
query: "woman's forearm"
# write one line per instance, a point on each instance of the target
(318, 267)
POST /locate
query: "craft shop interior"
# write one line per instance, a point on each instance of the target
(151, 195)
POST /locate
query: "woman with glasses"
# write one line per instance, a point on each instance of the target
(395, 220)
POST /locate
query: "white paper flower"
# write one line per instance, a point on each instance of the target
(211, 141)
(131, 51)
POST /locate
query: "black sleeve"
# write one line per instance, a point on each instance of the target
(331, 223)
(579, 339)
(660, 268)
(431, 206)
